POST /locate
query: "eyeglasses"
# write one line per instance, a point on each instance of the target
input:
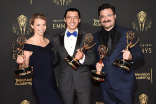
(108, 16)
(75, 18)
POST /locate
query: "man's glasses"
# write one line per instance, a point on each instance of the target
(75, 18)
(108, 16)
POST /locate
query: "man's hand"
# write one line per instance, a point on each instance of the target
(127, 55)
(99, 66)
(79, 55)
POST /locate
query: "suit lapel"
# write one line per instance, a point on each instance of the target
(61, 38)
(79, 41)
(116, 40)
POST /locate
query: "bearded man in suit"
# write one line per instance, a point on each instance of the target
(118, 87)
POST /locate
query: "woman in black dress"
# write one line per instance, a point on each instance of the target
(38, 51)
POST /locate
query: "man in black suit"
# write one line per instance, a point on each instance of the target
(73, 84)
(118, 87)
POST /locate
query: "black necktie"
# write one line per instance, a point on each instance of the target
(109, 44)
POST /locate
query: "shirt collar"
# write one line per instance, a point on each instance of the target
(69, 31)
(112, 30)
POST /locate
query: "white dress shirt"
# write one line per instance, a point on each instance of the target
(70, 43)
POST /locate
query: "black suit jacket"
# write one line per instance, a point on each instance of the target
(68, 75)
(116, 78)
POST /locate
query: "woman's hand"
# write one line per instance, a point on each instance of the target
(20, 59)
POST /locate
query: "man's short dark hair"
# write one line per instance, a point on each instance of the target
(106, 6)
(73, 10)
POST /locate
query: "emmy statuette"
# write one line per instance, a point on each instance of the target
(122, 63)
(21, 70)
(88, 43)
(99, 75)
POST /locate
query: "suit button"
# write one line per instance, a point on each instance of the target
(108, 60)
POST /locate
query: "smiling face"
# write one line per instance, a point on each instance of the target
(39, 26)
(72, 20)
(107, 18)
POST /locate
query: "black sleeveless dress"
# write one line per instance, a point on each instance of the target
(43, 81)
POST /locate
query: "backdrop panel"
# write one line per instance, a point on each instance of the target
(135, 14)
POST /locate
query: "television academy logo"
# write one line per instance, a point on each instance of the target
(62, 2)
(22, 21)
(59, 24)
(143, 99)
(141, 23)
(30, 1)
(20, 27)
(97, 22)
(146, 48)
(144, 75)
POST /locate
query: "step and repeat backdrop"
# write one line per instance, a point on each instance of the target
(138, 15)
